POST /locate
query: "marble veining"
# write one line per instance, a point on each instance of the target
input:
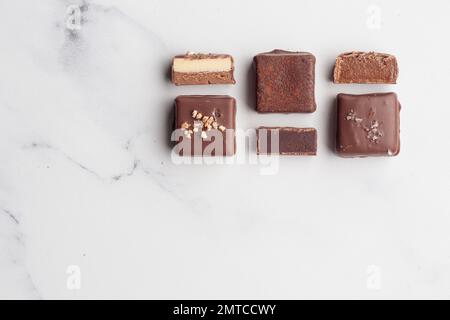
(13, 244)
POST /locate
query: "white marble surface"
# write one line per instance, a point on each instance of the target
(87, 182)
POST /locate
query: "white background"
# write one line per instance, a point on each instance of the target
(86, 177)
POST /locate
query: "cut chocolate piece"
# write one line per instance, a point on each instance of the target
(287, 141)
(285, 81)
(196, 68)
(368, 125)
(365, 67)
(205, 125)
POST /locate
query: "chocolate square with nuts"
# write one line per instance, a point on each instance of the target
(205, 125)
(285, 82)
(368, 125)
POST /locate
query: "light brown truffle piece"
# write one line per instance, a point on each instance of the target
(366, 67)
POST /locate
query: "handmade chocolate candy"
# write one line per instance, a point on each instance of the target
(285, 82)
(368, 125)
(365, 67)
(287, 141)
(205, 125)
(196, 68)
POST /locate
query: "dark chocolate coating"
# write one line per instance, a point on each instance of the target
(368, 125)
(291, 141)
(222, 107)
(285, 82)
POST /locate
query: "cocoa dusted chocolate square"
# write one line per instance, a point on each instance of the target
(285, 82)
(205, 125)
(368, 125)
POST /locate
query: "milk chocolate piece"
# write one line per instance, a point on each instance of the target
(287, 141)
(285, 82)
(197, 68)
(205, 125)
(368, 125)
(365, 67)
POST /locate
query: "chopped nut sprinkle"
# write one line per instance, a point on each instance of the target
(374, 133)
(187, 133)
(202, 123)
(352, 116)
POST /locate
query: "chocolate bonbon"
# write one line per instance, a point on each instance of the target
(197, 69)
(205, 124)
(365, 67)
(368, 125)
(285, 81)
(287, 141)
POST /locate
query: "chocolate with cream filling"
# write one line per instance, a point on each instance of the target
(198, 69)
